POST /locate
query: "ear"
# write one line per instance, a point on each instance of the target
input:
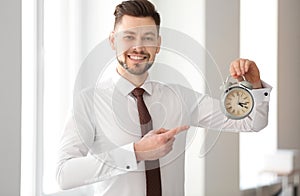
(158, 44)
(112, 40)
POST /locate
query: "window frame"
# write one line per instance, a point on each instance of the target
(32, 104)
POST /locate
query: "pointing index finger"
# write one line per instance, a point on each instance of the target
(176, 130)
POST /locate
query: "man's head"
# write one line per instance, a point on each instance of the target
(136, 35)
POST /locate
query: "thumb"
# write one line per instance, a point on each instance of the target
(160, 131)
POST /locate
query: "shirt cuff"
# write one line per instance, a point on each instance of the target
(262, 94)
(124, 157)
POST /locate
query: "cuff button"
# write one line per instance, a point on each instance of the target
(127, 167)
(266, 93)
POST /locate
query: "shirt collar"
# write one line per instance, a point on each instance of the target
(126, 87)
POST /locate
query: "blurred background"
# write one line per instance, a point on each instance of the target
(44, 42)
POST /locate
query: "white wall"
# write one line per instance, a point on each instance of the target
(289, 74)
(222, 40)
(10, 99)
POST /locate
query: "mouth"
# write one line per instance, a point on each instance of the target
(137, 58)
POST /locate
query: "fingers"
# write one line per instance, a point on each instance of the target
(240, 67)
(248, 69)
(160, 131)
(165, 135)
(172, 132)
(156, 143)
(169, 145)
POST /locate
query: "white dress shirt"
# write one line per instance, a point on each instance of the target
(97, 142)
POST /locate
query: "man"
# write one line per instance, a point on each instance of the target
(127, 135)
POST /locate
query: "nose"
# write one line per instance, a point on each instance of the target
(138, 46)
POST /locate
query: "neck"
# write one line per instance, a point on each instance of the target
(136, 80)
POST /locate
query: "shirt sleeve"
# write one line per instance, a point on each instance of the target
(206, 112)
(77, 164)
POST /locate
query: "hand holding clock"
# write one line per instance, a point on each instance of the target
(244, 67)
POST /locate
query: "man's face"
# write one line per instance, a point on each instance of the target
(136, 42)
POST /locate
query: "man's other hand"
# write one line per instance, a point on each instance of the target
(156, 143)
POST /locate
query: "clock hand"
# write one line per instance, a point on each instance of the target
(242, 104)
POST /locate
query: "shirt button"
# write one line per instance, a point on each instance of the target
(127, 167)
(266, 93)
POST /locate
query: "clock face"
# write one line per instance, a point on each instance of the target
(238, 103)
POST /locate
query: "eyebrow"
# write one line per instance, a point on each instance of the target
(134, 33)
(150, 33)
(129, 32)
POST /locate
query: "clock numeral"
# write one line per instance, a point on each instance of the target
(229, 108)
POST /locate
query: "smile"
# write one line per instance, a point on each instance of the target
(137, 57)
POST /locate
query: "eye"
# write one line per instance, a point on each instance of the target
(148, 38)
(128, 38)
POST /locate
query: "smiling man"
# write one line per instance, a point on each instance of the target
(128, 134)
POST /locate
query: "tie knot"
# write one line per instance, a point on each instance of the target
(137, 92)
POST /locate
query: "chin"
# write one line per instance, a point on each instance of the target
(139, 69)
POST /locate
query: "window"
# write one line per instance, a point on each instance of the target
(56, 39)
(258, 24)
(28, 125)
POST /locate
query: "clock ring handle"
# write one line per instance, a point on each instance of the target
(229, 76)
(243, 83)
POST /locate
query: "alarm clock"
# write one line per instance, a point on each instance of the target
(237, 100)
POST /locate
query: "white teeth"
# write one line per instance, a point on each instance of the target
(136, 57)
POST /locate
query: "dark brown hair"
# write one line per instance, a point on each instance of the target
(138, 8)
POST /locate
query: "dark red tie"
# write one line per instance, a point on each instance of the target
(153, 179)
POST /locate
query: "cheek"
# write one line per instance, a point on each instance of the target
(122, 56)
(122, 48)
(153, 52)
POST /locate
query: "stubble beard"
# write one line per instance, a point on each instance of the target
(136, 69)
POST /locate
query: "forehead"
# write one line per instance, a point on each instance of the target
(133, 23)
